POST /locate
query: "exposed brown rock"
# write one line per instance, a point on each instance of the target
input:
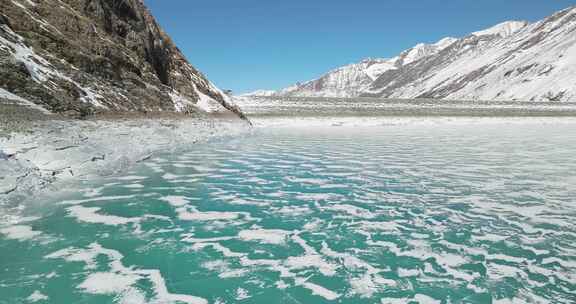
(108, 55)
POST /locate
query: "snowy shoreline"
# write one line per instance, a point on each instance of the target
(57, 152)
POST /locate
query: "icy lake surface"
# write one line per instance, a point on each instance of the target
(480, 213)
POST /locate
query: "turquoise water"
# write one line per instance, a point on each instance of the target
(396, 214)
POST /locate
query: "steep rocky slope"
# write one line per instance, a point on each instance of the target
(513, 60)
(85, 56)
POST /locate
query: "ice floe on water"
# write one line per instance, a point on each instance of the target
(92, 215)
(19, 232)
(187, 212)
(108, 283)
(271, 236)
(120, 280)
(37, 296)
(192, 214)
(176, 201)
(318, 290)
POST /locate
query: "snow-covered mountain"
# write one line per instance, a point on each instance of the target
(266, 93)
(353, 79)
(85, 56)
(514, 60)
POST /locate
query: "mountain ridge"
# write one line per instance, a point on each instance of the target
(498, 63)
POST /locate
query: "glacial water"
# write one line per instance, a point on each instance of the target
(455, 213)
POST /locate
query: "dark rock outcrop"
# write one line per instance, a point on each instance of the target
(85, 56)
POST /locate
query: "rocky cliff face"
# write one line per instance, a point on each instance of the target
(511, 61)
(84, 56)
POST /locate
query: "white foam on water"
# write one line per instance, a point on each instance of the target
(131, 178)
(77, 255)
(281, 285)
(242, 294)
(270, 236)
(121, 280)
(523, 298)
(220, 248)
(192, 214)
(37, 296)
(476, 289)
(367, 285)
(134, 186)
(418, 298)
(424, 299)
(352, 210)
(563, 263)
(499, 271)
(309, 181)
(405, 273)
(292, 210)
(562, 275)
(316, 197)
(309, 250)
(419, 235)
(349, 261)
(247, 202)
(19, 232)
(170, 176)
(506, 258)
(176, 201)
(318, 290)
(237, 273)
(162, 293)
(379, 226)
(448, 261)
(216, 265)
(91, 215)
(132, 296)
(395, 300)
(102, 199)
(311, 261)
(313, 225)
(108, 283)
(190, 239)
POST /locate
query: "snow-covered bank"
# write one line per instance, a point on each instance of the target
(56, 152)
(307, 111)
(405, 122)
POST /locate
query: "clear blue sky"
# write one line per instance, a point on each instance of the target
(245, 45)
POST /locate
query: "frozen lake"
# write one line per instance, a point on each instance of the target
(401, 213)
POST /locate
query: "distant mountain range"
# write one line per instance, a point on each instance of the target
(514, 60)
(86, 56)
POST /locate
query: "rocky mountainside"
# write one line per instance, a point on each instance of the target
(511, 61)
(84, 56)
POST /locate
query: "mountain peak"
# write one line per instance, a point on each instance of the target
(445, 42)
(422, 50)
(503, 29)
(465, 69)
